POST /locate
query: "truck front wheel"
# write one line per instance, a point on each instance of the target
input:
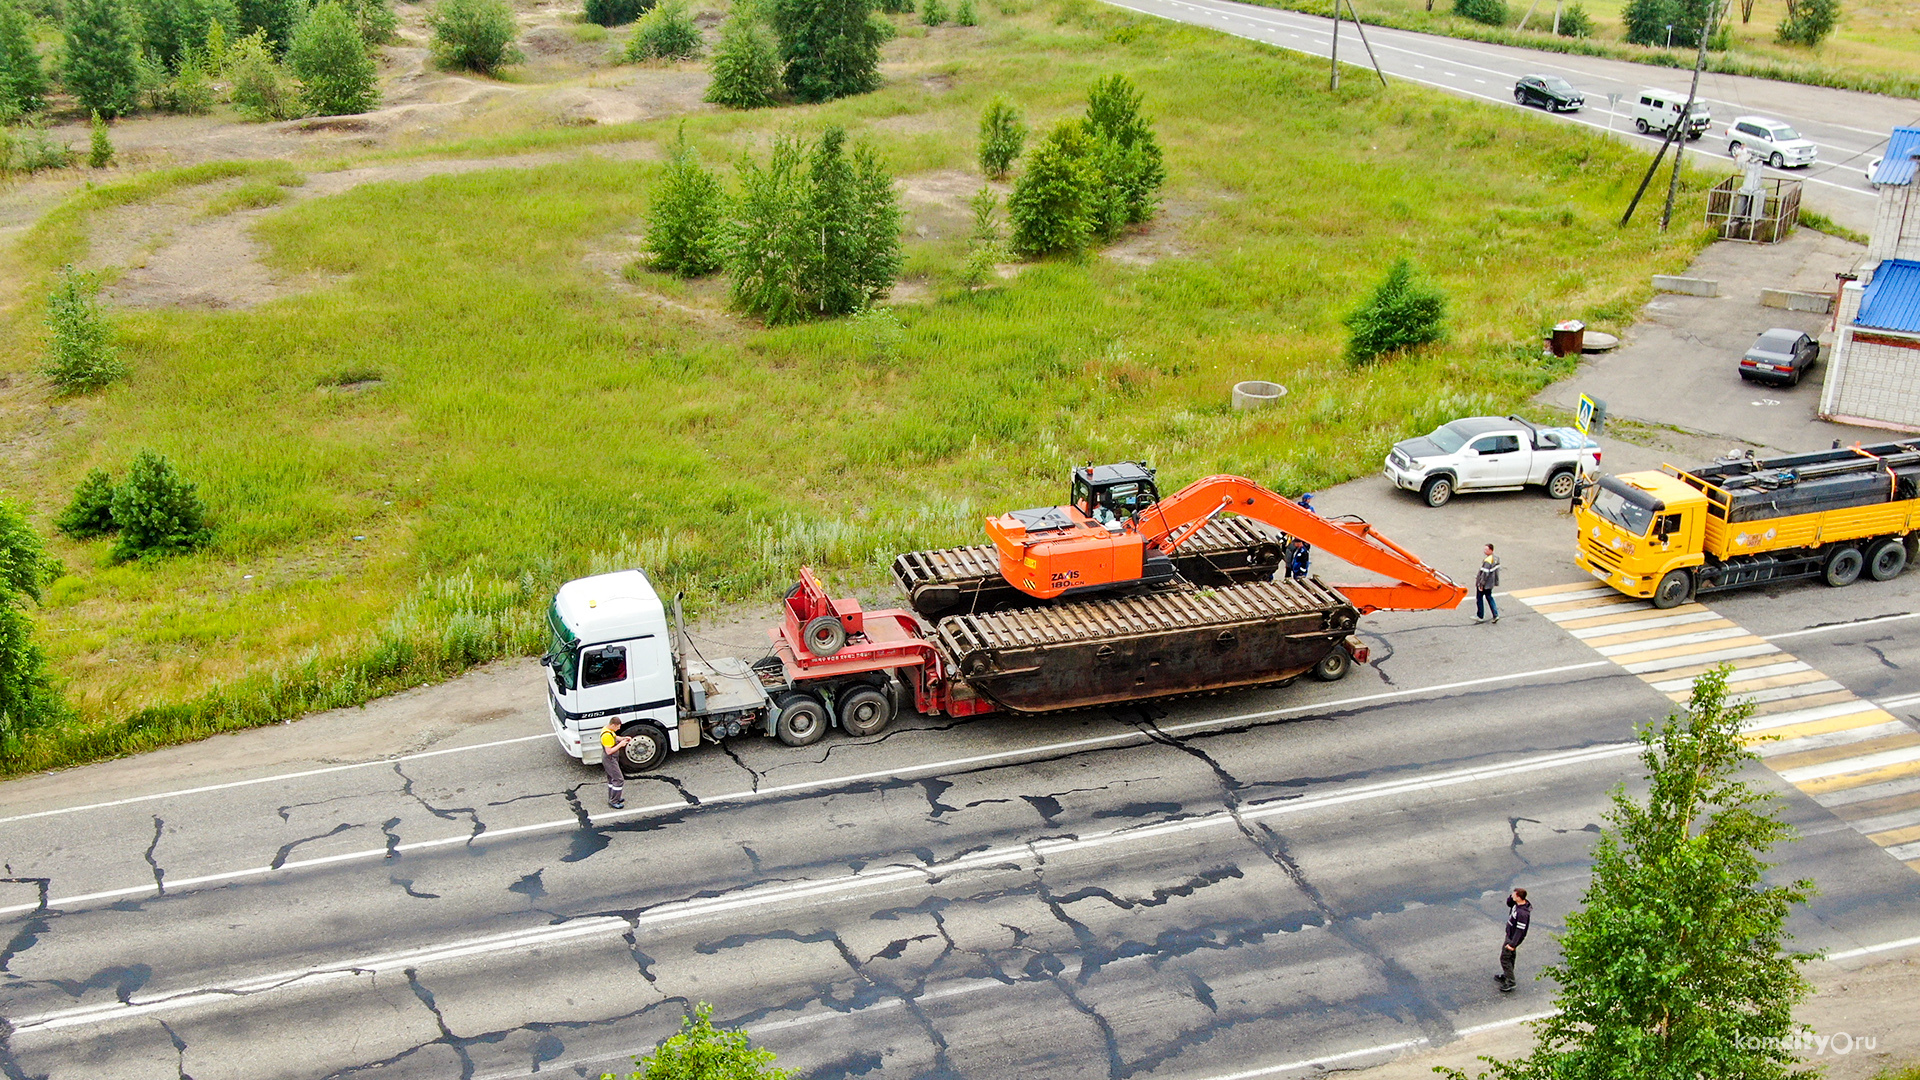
(1843, 566)
(1334, 666)
(1887, 559)
(1437, 491)
(1560, 485)
(1673, 589)
(865, 710)
(803, 719)
(645, 751)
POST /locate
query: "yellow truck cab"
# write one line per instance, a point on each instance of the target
(1638, 527)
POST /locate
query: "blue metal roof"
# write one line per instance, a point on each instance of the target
(1897, 166)
(1892, 300)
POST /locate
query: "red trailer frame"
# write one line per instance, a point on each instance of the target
(888, 641)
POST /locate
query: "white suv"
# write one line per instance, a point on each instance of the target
(1774, 142)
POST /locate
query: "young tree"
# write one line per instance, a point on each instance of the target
(260, 87)
(986, 244)
(90, 514)
(157, 511)
(831, 47)
(1003, 135)
(1808, 22)
(276, 18)
(1056, 199)
(964, 15)
(1673, 967)
(375, 20)
(1129, 158)
(331, 59)
(1647, 21)
(80, 353)
(614, 12)
(746, 64)
(27, 698)
(476, 35)
(102, 69)
(1404, 311)
(687, 226)
(99, 146)
(933, 12)
(1490, 12)
(23, 81)
(665, 33)
(703, 1052)
(171, 29)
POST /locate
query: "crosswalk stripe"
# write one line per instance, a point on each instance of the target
(1901, 702)
(1848, 722)
(1594, 606)
(1870, 751)
(1675, 644)
(1642, 667)
(1783, 693)
(1907, 853)
(1828, 739)
(1818, 712)
(1541, 594)
(1608, 625)
(1886, 793)
(1865, 763)
(1899, 770)
(1895, 819)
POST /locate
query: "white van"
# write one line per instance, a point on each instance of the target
(1657, 110)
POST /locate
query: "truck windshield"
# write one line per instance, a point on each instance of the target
(1622, 511)
(563, 648)
(1447, 439)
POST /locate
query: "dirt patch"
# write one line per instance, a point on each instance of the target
(1147, 243)
(702, 302)
(939, 205)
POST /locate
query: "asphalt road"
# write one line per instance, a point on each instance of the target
(1258, 884)
(1849, 128)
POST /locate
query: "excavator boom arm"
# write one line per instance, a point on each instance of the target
(1415, 586)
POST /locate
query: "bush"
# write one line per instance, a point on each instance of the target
(190, 92)
(99, 147)
(374, 19)
(101, 68)
(27, 698)
(1808, 22)
(80, 355)
(831, 47)
(704, 1052)
(1054, 201)
(23, 80)
(31, 148)
(1003, 135)
(171, 30)
(1403, 312)
(666, 33)
(964, 15)
(330, 58)
(157, 511)
(817, 233)
(277, 19)
(614, 12)
(1491, 12)
(746, 65)
(1575, 22)
(90, 514)
(1130, 160)
(260, 88)
(895, 7)
(933, 12)
(687, 225)
(474, 35)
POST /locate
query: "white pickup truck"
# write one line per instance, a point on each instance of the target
(1491, 453)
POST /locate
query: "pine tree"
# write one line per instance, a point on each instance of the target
(331, 59)
(90, 514)
(100, 146)
(1056, 199)
(102, 68)
(831, 47)
(278, 18)
(1403, 312)
(23, 80)
(1130, 158)
(80, 353)
(172, 29)
(157, 511)
(687, 225)
(746, 65)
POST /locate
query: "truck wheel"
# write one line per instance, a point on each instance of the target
(1641, 124)
(647, 750)
(803, 719)
(1334, 666)
(1437, 491)
(1843, 566)
(1560, 485)
(865, 710)
(1886, 559)
(1673, 589)
(824, 635)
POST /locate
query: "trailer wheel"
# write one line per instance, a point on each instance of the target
(1560, 485)
(645, 752)
(1843, 566)
(803, 719)
(1887, 559)
(824, 635)
(1437, 491)
(864, 710)
(1334, 666)
(1673, 589)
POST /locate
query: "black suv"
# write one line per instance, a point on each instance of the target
(1550, 92)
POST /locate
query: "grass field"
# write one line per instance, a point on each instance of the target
(403, 462)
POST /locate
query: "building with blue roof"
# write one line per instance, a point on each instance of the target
(1873, 374)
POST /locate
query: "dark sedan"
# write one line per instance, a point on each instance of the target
(1550, 92)
(1780, 357)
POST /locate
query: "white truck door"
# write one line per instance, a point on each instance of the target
(1499, 461)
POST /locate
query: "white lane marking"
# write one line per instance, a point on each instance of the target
(804, 785)
(1900, 702)
(881, 879)
(280, 778)
(1836, 627)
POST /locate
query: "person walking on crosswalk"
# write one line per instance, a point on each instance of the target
(1485, 580)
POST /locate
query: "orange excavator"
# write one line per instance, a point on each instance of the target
(1119, 532)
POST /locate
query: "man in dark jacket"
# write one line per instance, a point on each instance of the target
(1485, 580)
(1520, 913)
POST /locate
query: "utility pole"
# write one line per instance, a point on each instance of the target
(1333, 82)
(1358, 29)
(1686, 115)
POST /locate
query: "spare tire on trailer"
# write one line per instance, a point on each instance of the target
(1334, 666)
(824, 635)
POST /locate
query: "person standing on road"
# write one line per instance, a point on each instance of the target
(611, 743)
(1485, 580)
(1519, 915)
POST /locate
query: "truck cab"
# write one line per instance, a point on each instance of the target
(609, 655)
(1641, 532)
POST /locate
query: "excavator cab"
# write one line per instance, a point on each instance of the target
(1111, 494)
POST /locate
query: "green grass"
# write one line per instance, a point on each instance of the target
(252, 195)
(533, 420)
(1875, 49)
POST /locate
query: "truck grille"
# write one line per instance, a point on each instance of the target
(1600, 553)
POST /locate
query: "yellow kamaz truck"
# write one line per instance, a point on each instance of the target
(1671, 535)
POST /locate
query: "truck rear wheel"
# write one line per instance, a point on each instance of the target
(864, 710)
(1560, 485)
(803, 719)
(1843, 566)
(1334, 666)
(646, 750)
(1437, 491)
(1673, 589)
(1886, 559)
